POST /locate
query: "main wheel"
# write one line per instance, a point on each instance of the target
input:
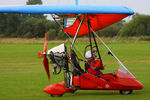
(125, 92)
(53, 95)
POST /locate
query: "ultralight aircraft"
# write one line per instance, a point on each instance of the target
(80, 20)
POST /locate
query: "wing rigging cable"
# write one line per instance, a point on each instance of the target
(56, 19)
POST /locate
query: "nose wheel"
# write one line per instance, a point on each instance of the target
(125, 92)
(53, 95)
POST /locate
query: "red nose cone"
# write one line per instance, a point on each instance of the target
(55, 89)
(139, 86)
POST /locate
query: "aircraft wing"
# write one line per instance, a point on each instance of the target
(66, 9)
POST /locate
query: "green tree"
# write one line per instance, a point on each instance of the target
(53, 25)
(2, 23)
(33, 25)
(26, 26)
(34, 2)
(138, 26)
(140, 30)
(40, 26)
(61, 35)
(28, 35)
(148, 28)
(112, 30)
(51, 35)
(9, 24)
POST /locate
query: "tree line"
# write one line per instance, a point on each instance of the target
(138, 26)
(35, 25)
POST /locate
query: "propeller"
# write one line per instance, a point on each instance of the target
(43, 55)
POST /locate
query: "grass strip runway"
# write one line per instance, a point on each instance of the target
(22, 75)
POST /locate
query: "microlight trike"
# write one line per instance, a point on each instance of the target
(84, 20)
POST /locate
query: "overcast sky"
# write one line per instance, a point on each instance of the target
(140, 6)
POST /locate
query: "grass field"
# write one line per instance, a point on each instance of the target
(22, 76)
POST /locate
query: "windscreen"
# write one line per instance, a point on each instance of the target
(123, 72)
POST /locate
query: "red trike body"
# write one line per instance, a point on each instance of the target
(120, 81)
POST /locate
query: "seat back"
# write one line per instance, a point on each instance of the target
(78, 69)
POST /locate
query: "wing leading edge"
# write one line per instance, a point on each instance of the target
(66, 9)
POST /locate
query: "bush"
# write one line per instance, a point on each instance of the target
(139, 26)
(145, 38)
(111, 31)
(62, 35)
(28, 35)
(51, 35)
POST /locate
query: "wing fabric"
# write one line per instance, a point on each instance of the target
(98, 21)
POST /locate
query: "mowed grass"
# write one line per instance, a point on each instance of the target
(22, 75)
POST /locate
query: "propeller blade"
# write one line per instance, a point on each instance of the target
(45, 43)
(41, 55)
(46, 65)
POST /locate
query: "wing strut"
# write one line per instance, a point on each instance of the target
(90, 38)
(74, 39)
(110, 50)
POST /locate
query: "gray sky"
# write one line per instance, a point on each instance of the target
(140, 6)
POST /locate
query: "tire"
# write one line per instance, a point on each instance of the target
(53, 95)
(126, 92)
